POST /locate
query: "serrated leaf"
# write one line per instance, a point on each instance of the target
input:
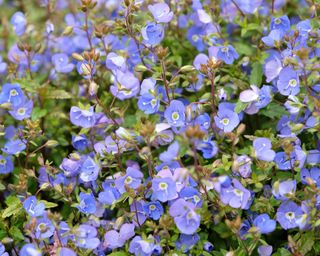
(11, 210)
(16, 233)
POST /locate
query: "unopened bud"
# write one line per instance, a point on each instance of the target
(67, 31)
(77, 56)
(93, 88)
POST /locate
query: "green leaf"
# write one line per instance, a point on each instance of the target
(58, 94)
(11, 210)
(273, 110)
(306, 242)
(243, 49)
(2, 187)
(119, 254)
(16, 233)
(48, 204)
(38, 113)
(256, 74)
(240, 106)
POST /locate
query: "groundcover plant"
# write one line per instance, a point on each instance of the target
(145, 127)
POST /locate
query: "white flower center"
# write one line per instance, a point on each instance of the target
(163, 186)
(224, 49)
(225, 121)
(13, 92)
(277, 21)
(21, 111)
(290, 215)
(293, 82)
(128, 180)
(152, 207)
(175, 116)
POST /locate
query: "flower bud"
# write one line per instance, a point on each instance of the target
(67, 31)
(93, 88)
(187, 68)
(77, 56)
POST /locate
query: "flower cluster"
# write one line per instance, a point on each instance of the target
(142, 127)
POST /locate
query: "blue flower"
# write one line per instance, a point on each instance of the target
(61, 63)
(70, 166)
(152, 33)
(242, 166)
(44, 227)
(89, 170)
(186, 242)
(19, 23)
(3, 250)
(203, 121)
(82, 117)
(196, 85)
(33, 207)
(116, 62)
(288, 214)
(110, 193)
(226, 53)
(185, 217)
(86, 237)
(132, 179)
(163, 189)
(3, 66)
(281, 23)
(161, 12)
(226, 120)
(87, 203)
(263, 149)
(288, 82)
(304, 27)
(64, 251)
(115, 239)
(287, 162)
(175, 113)
(208, 148)
(139, 216)
(30, 250)
(244, 229)
(86, 69)
(208, 247)
(309, 176)
(272, 66)
(13, 147)
(126, 85)
(236, 196)
(285, 189)
(273, 39)
(148, 103)
(6, 164)
(265, 250)
(195, 36)
(171, 153)
(264, 224)
(141, 247)
(22, 111)
(192, 195)
(248, 6)
(79, 142)
(153, 209)
(12, 93)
